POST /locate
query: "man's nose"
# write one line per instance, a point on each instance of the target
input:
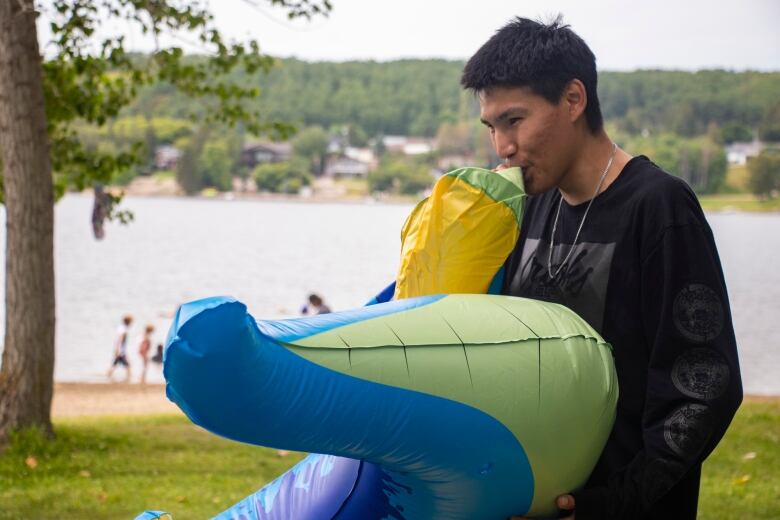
(505, 145)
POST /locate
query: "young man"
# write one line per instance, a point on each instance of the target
(625, 245)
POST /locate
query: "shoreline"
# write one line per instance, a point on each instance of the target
(714, 204)
(248, 196)
(99, 399)
(103, 399)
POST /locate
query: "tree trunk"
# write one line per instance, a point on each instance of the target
(26, 377)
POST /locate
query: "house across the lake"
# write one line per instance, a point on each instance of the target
(264, 153)
(739, 152)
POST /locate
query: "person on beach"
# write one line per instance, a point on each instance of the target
(143, 350)
(315, 306)
(120, 348)
(158, 355)
(626, 245)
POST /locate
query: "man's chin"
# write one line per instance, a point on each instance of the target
(529, 185)
(533, 186)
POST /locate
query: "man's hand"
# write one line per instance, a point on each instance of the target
(566, 502)
(563, 502)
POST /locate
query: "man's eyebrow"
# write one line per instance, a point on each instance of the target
(506, 114)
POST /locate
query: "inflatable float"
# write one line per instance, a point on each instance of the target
(457, 406)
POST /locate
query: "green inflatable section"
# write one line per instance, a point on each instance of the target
(537, 367)
(504, 185)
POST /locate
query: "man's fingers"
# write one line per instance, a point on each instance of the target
(565, 502)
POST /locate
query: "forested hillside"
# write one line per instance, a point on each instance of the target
(683, 120)
(413, 97)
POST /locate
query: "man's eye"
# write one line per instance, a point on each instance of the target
(515, 120)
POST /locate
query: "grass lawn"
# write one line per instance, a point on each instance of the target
(164, 175)
(354, 187)
(739, 197)
(738, 202)
(738, 178)
(741, 479)
(114, 468)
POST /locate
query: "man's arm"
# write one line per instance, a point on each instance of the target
(693, 379)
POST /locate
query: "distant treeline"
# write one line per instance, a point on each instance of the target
(414, 97)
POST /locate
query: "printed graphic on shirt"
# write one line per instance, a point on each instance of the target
(701, 373)
(698, 313)
(581, 283)
(686, 429)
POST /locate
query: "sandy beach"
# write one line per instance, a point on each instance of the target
(79, 399)
(83, 399)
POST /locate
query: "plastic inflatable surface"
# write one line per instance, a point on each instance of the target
(446, 407)
(457, 239)
(464, 406)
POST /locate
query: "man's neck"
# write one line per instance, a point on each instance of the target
(580, 183)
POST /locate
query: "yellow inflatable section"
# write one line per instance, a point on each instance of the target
(474, 216)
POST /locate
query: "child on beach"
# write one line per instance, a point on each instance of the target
(143, 349)
(120, 348)
(315, 306)
(158, 355)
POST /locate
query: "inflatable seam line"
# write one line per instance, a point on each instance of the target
(598, 339)
(351, 491)
(469, 344)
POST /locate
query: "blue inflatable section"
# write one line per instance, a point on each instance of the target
(318, 486)
(286, 331)
(391, 452)
(385, 295)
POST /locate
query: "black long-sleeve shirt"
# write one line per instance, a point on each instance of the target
(645, 273)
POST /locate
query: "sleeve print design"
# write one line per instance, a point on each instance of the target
(701, 373)
(698, 313)
(688, 428)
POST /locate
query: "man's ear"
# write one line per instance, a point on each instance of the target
(576, 99)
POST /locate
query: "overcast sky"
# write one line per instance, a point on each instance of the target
(624, 35)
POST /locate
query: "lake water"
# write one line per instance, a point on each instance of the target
(271, 255)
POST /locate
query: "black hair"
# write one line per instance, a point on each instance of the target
(544, 58)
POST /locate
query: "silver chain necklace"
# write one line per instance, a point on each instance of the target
(582, 222)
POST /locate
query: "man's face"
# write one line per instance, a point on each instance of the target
(530, 132)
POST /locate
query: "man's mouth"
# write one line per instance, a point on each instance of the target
(527, 177)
